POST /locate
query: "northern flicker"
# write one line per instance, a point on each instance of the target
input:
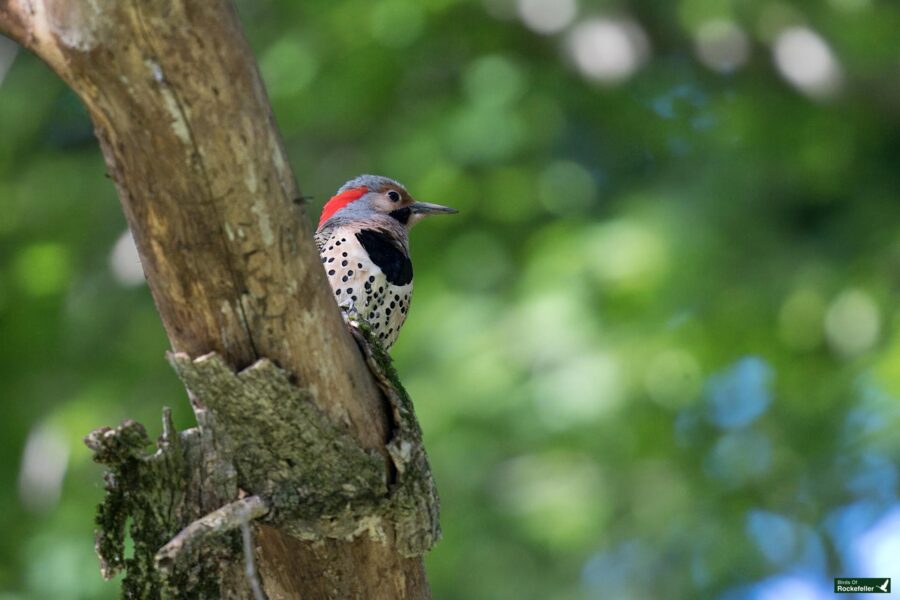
(363, 239)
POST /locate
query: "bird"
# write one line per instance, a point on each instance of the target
(363, 241)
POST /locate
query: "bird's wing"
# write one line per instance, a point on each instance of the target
(322, 236)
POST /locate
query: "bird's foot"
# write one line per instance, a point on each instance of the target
(351, 315)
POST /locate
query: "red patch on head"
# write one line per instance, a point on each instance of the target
(340, 201)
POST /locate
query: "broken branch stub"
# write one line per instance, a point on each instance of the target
(208, 528)
(260, 434)
(161, 492)
(316, 479)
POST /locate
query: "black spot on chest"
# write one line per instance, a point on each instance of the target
(387, 254)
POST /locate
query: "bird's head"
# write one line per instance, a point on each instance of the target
(370, 195)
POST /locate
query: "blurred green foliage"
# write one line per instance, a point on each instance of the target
(656, 355)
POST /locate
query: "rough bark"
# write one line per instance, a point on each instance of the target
(257, 431)
(189, 139)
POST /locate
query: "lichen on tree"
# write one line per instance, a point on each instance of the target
(258, 434)
(158, 493)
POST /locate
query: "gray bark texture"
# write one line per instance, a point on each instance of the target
(301, 429)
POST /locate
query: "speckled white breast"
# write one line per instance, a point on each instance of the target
(360, 283)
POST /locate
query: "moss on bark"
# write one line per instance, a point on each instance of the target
(259, 434)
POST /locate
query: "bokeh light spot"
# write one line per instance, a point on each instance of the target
(608, 50)
(617, 572)
(806, 61)
(42, 269)
(55, 567)
(791, 587)
(740, 457)
(872, 475)
(800, 320)
(558, 498)
(579, 390)
(547, 16)
(774, 535)
(741, 394)
(494, 80)
(486, 134)
(125, 262)
(559, 327)
(875, 552)
(288, 67)
(721, 45)
(673, 378)
(43, 468)
(847, 523)
(852, 323)
(626, 254)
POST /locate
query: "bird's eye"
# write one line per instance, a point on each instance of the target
(394, 195)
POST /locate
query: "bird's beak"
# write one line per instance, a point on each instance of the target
(425, 208)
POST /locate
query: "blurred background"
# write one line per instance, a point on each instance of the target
(656, 355)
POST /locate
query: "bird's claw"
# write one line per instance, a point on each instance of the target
(351, 315)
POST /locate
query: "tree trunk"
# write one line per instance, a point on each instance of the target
(189, 139)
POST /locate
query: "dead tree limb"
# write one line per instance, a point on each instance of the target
(189, 139)
(220, 521)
